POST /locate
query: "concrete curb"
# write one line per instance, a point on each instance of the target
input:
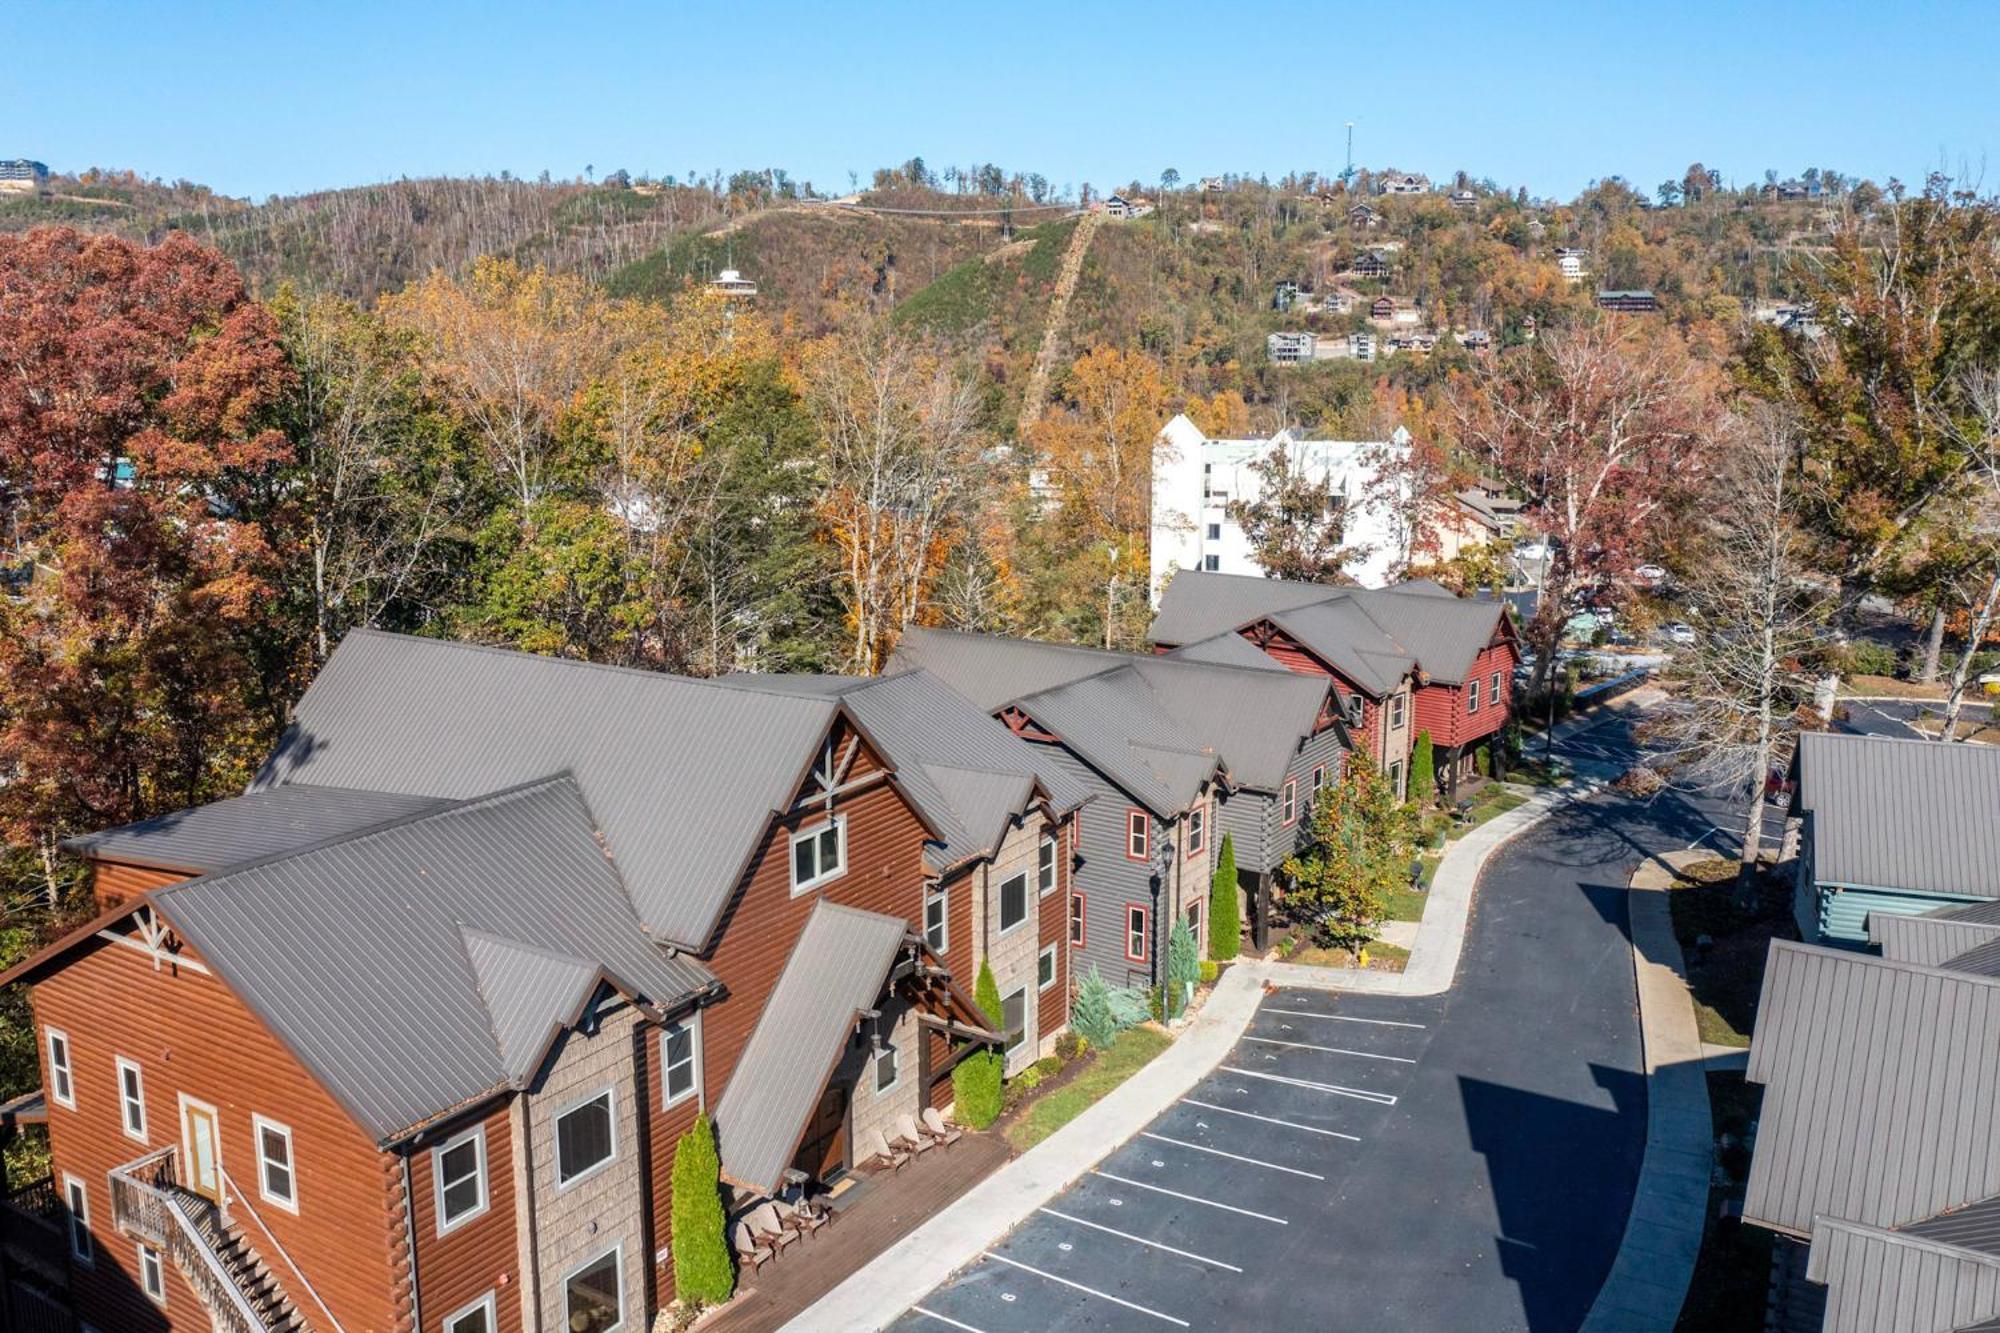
(1649, 1278)
(881, 1290)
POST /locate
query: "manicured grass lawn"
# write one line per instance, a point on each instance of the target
(1133, 1050)
(1408, 904)
(1726, 975)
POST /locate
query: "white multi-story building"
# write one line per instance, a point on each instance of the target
(1195, 479)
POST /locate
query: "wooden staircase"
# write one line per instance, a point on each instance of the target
(247, 1274)
(1036, 397)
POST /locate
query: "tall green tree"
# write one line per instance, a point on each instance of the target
(703, 1274)
(1225, 913)
(976, 1080)
(1357, 851)
(1423, 770)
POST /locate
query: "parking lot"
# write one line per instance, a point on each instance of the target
(1203, 1219)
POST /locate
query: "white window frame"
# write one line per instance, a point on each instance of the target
(128, 1102)
(1493, 690)
(888, 1052)
(477, 1136)
(259, 1124)
(1472, 696)
(1197, 830)
(692, 1026)
(607, 1094)
(617, 1253)
(1398, 711)
(1000, 903)
(1005, 1049)
(76, 1198)
(152, 1274)
(821, 875)
(487, 1305)
(62, 1073)
(1049, 953)
(1045, 851)
(941, 898)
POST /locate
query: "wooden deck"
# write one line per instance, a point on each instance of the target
(873, 1215)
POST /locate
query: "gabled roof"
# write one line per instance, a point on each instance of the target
(1228, 649)
(837, 969)
(425, 963)
(1886, 1281)
(1115, 724)
(969, 774)
(247, 828)
(1881, 1090)
(1371, 635)
(1253, 717)
(1929, 939)
(1891, 813)
(682, 775)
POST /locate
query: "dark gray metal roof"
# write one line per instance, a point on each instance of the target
(967, 771)
(1984, 914)
(246, 828)
(1881, 1281)
(1881, 1089)
(1114, 722)
(1982, 959)
(1976, 1226)
(1228, 649)
(1197, 605)
(1253, 718)
(682, 775)
(1339, 632)
(1929, 939)
(837, 969)
(408, 965)
(1902, 814)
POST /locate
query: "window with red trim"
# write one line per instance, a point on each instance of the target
(1076, 919)
(1138, 835)
(1288, 803)
(1138, 932)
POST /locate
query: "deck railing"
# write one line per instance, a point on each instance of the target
(149, 1204)
(33, 1225)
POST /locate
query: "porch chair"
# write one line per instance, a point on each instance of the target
(750, 1250)
(770, 1229)
(877, 1152)
(908, 1137)
(802, 1219)
(941, 1129)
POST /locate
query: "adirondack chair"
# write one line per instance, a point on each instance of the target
(941, 1129)
(749, 1249)
(802, 1219)
(770, 1229)
(910, 1138)
(877, 1152)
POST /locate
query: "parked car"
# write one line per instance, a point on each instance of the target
(1678, 632)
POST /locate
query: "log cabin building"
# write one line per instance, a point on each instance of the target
(1276, 738)
(1405, 659)
(404, 1037)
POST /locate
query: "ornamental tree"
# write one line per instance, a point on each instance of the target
(1357, 850)
(1225, 917)
(703, 1274)
(976, 1080)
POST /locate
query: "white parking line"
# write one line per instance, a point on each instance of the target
(1362, 1094)
(944, 1319)
(1140, 1240)
(1332, 1050)
(1344, 1018)
(1190, 1198)
(1088, 1291)
(1271, 1120)
(1249, 1161)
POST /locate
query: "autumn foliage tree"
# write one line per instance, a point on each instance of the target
(1605, 430)
(137, 392)
(1356, 851)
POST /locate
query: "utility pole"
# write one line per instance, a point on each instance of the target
(1347, 172)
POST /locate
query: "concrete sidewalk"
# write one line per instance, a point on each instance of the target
(1649, 1278)
(880, 1291)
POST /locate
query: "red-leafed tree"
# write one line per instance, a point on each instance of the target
(137, 385)
(1605, 429)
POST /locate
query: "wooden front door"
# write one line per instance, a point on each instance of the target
(824, 1148)
(201, 1150)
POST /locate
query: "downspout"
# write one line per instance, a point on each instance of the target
(526, 1242)
(410, 1238)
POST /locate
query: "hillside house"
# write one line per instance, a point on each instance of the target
(1634, 301)
(733, 285)
(1369, 264)
(1365, 216)
(1574, 264)
(1408, 658)
(1279, 738)
(1290, 349)
(1465, 201)
(1890, 825)
(19, 175)
(416, 1022)
(1403, 182)
(1119, 207)
(1284, 294)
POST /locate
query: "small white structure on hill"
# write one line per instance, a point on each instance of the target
(1195, 479)
(732, 284)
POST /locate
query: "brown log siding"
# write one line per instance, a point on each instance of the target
(478, 1256)
(114, 882)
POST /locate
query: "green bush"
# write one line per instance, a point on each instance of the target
(703, 1271)
(1183, 966)
(1482, 761)
(1865, 657)
(1048, 1066)
(1210, 970)
(1225, 918)
(986, 994)
(1070, 1045)
(1102, 1010)
(1423, 770)
(977, 1087)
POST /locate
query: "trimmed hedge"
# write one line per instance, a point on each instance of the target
(1225, 916)
(977, 1081)
(704, 1274)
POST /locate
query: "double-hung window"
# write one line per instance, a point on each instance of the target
(1014, 1019)
(1197, 834)
(887, 1071)
(1396, 706)
(586, 1138)
(1138, 835)
(81, 1245)
(1013, 901)
(1493, 694)
(132, 1099)
(62, 1079)
(1045, 969)
(1045, 867)
(481, 1316)
(680, 1060)
(937, 921)
(459, 1168)
(1076, 926)
(1472, 695)
(594, 1295)
(1138, 932)
(1288, 801)
(1319, 779)
(819, 854)
(277, 1175)
(152, 1274)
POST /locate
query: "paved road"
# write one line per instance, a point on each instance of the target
(1459, 1162)
(1892, 717)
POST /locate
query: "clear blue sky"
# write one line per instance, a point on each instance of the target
(278, 97)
